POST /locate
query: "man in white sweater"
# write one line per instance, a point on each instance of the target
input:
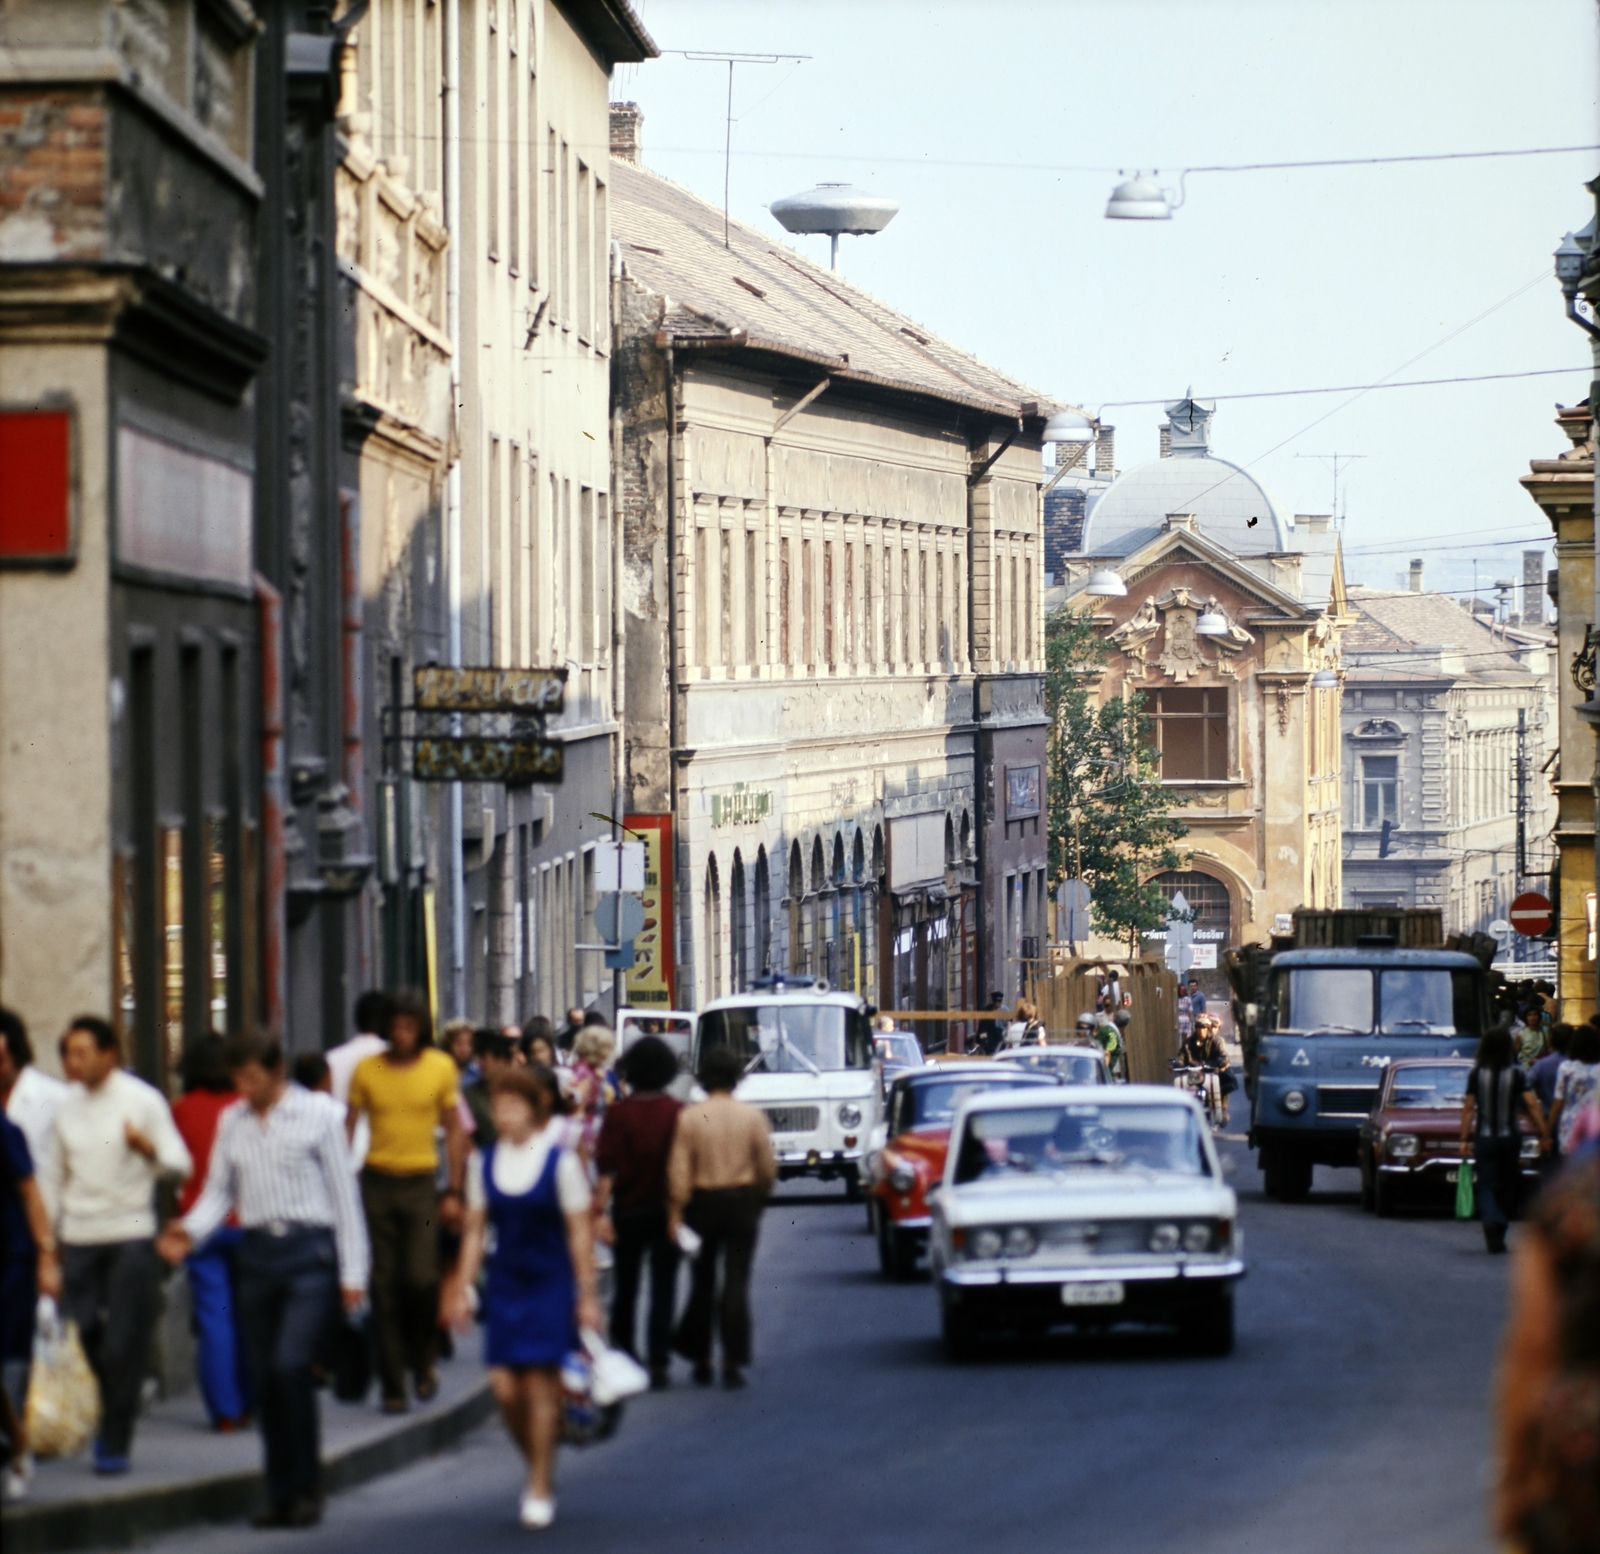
(114, 1140)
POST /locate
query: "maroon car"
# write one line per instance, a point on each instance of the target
(1410, 1145)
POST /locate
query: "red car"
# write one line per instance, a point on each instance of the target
(1409, 1150)
(906, 1167)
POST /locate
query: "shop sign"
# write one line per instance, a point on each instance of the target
(1022, 792)
(649, 980)
(740, 806)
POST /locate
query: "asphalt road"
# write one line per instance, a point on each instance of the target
(1352, 1417)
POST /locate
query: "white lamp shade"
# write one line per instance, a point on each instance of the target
(1069, 426)
(1139, 199)
(1323, 680)
(1104, 582)
(1211, 624)
(1569, 260)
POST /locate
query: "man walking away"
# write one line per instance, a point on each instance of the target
(280, 1162)
(405, 1092)
(1497, 1092)
(114, 1140)
(635, 1144)
(371, 1015)
(718, 1177)
(30, 1098)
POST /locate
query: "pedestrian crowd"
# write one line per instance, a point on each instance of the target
(356, 1210)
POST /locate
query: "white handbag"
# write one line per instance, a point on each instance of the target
(614, 1375)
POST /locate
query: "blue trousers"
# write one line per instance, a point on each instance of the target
(224, 1383)
(288, 1292)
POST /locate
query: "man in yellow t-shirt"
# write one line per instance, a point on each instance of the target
(406, 1094)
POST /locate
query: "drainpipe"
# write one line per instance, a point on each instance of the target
(683, 921)
(354, 773)
(619, 635)
(274, 862)
(452, 502)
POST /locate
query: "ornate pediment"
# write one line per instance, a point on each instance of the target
(1379, 728)
(1174, 616)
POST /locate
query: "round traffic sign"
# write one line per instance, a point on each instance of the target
(1531, 915)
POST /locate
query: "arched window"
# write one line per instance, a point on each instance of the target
(877, 854)
(796, 891)
(738, 927)
(858, 860)
(966, 836)
(763, 915)
(1208, 900)
(838, 858)
(713, 927)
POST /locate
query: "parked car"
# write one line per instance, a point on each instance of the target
(1069, 1063)
(1410, 1149)
(808, 1064)
(907, 1160)
(1088, 1207)
(898, 1052)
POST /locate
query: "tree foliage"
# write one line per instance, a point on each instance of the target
(1108, 811)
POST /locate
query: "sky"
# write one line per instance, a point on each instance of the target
(1000, 128)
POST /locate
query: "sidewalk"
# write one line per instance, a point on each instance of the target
(183, 1472)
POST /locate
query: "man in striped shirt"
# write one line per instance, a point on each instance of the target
(280, 1160)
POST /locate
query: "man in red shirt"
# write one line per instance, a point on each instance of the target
(219, 1358)
(635, 1141)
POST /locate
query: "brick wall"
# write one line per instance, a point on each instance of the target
(52, 175)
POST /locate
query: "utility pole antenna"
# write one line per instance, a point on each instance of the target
(715, 56)
(1522, 794)
(1336, 459)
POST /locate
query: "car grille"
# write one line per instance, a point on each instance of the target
(1345, 1100)
(1104, 1238)
(793, 1119)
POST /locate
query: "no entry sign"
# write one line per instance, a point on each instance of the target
(1531, 915)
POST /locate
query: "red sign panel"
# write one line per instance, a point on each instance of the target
(1531, 915)
(35, 485)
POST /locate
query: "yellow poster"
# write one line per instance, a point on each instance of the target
(649, 979)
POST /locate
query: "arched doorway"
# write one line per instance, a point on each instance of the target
(763, 914)
(796, 891)
(713, 930)
(738, 927)
(1213, 932)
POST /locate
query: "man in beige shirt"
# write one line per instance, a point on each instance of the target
(718, 1177)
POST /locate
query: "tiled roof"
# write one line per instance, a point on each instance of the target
(1400, 621)
(759, 293)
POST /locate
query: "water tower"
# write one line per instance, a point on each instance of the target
(834, 208)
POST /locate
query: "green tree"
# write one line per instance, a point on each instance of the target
(1109, 819)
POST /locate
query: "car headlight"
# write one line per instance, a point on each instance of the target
(1530, 1148)
(1020, 1241)
(985, 1243)
(1164, 1238)
(1294, 1102)
(849, 1115)
(901, 1177)
(1197, 1237)
(1404, 1146)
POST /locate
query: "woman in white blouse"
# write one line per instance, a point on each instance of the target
(532, 1188)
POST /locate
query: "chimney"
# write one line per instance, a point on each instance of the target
(626, 122)
(1314, 523)
(1416, 575)
(1166, 442)
(1105, 452)
(1533, 588)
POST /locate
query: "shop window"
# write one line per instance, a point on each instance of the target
(1191, 727)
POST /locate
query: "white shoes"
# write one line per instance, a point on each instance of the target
(537, 1511)
(18, 1478)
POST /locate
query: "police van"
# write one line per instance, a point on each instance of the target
(808, 1061)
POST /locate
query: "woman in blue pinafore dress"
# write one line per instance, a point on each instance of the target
(532, 1192)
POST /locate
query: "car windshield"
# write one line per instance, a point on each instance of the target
(932, 1103)
(1079, 1136)
(900, 1049)
(1428, 1089)
(1394, 1000)
(789, 1038)
(1072, 1068)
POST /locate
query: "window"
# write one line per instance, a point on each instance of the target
(1380, 788)
(1192, 734)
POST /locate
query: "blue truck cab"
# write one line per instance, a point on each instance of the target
(1331, 1022)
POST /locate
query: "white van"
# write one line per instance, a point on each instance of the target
(809, 1065)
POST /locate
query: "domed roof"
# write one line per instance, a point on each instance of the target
(1222, 497)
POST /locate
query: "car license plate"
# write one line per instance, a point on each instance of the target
(1106, 1293)
(1452, 1176)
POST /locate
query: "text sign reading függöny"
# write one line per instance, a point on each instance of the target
(486, 760)
(489, 690)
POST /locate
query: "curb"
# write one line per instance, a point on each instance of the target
(119, 1520)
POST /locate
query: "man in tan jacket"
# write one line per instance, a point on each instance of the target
(718, 1177)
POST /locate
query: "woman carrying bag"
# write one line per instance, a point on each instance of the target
(1497, 1091)
(541, 1284)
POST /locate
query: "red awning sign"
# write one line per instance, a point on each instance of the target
(1531, 915)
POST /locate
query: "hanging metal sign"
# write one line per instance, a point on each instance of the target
(535, 691)
(457, 759)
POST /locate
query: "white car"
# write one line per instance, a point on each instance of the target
(1084, 1206)
(809, 1065)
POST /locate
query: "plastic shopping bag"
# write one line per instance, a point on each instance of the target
(614, 1375)
(1465, 1207)
(63, 1396)
(595, 1380)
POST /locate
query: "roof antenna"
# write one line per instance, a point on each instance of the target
(716, 57)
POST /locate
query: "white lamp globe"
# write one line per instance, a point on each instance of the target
(1106, 584)
(1138, 199)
